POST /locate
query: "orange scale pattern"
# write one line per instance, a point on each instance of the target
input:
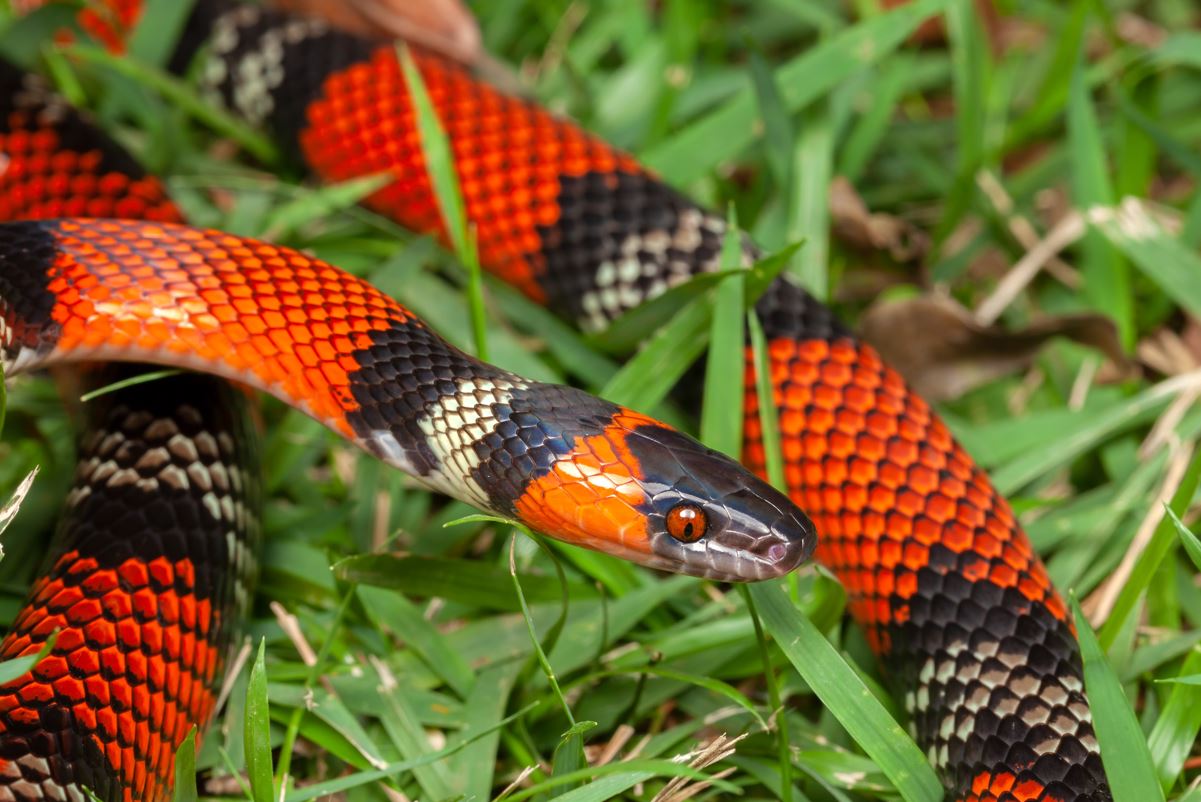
(1003, 786)
(885, 482)
(272, 317)
(42, 179)
(134, 664)
(510, 155)
(594, 489)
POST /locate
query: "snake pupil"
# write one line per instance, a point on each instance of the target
(687, 523)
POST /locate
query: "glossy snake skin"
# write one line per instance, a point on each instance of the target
(941, 577)
(940, 574)
(136, 664)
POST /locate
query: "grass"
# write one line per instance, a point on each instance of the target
(432, 672)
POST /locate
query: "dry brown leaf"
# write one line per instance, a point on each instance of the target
(443, 25)
(943, 352)
(1171, 352)
(859, 227)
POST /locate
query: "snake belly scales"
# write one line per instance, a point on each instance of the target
(939, 573)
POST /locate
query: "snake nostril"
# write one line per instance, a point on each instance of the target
(777, 552)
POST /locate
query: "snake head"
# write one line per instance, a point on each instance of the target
(644, 491)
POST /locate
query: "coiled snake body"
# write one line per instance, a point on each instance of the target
(939, 573)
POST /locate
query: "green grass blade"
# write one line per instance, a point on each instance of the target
(340, 784)
(258, 731)
(158, 29)
(312, 206)
(1173, 266)
(467, 581)
(1128, 763)
(439, 158)
(646, 379)
(444, 178)
(1106, 276)
(396, 613)
(185, 769)
(969, 79)
(721, 413)
(1162, 543)
(1079, 434)
(644, 769)
(180, 95)
(845, 696)
(1175, 732)
(769, 414)
(1191, 543)
(11, 669)
(722, 133)
(809, 215)
(403, 726)
(485, 706)
(778, 135)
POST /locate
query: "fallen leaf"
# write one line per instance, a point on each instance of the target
(859, 227)
(443, 25)
(1170, 352)
(943, 351)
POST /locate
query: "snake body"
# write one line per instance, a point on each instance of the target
(940, 575)
(131, 670)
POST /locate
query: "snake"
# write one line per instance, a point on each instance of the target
(940, 576)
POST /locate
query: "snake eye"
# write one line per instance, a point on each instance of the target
(687, 523)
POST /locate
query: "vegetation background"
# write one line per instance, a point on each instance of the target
(1003, 194)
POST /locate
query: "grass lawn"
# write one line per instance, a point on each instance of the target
(453, 659)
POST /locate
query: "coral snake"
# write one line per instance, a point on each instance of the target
(940, 575)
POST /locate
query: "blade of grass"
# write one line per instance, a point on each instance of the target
(476, 763)
(467, 581)
(783, 748)
(1163, 541)
(180, 95)
(1128, 763)
(845, 696)
(258, 731)
(185, 769)
(769, 415)
(547, 669)
(809, 212)
(440, 166)
(647, 378)
(158, 29)
(721, 412)
(723, 132)
(403, 725)
(1175, 732)
(341, 784)
(626, 771)
(1191, 543)
(969, 79)
(1172, 265)
(18, 666)
(1106, 276)
(1083, 432)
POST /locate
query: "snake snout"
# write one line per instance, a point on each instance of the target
(715, 519)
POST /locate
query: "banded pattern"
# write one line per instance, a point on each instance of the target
(149, 574)
(332, 345)
(147, 582)
(56, 164)
(940, 574)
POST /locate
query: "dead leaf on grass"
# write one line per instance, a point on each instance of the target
(943, 352)
(859, 227)
(443, 25)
